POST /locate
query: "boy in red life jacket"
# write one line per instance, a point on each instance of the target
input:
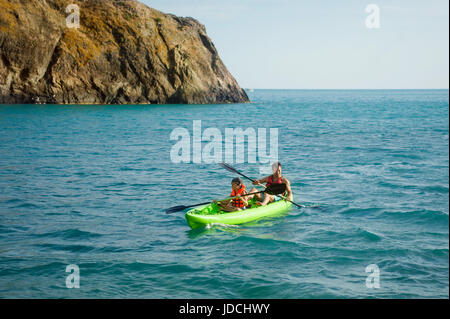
(276, 178)
(238, 203)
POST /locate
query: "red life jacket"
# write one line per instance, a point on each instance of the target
(278, 181)
(271, 181)
(236, 202)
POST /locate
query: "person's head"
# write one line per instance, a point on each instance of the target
(236, 183)
(276, 168)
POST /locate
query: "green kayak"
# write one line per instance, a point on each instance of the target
(211, 214)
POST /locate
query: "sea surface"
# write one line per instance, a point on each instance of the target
(89, 186)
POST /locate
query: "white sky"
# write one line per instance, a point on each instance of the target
(325, 44)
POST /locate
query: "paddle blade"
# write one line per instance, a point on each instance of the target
(175, 209)
(233, 170)
(228, 168)
(276, 189)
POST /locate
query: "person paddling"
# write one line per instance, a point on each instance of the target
(275, 178)
(240, 202)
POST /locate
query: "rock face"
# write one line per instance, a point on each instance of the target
(122, 52)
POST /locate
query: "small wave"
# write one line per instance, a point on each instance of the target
(67, 195)
(437, 252)
(71, 233)
(81, 174)
(177, 268)
(436, 189)
(142, 266)
(112, 185)
(142, 185)
(77, 213)
(371, 236)
(110, 249)
(11, 201)
(5, 230)
(395, 186)
(26, 205)
(70, 248)
(20, 228)
(321, 236)
(360, 211)
(408, 156)
(127, 168)
(266, 241)
(34, 270)
(419, 188)
(423, 215)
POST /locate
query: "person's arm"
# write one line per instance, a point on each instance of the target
(244, 198)
(288, 188)
(260, 181)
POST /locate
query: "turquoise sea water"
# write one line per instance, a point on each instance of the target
(88, 185)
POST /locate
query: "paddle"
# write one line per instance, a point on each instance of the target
(273, 189)
(233, 170)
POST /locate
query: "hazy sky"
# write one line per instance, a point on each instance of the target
(325, 44)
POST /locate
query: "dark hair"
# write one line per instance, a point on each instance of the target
(236, 180)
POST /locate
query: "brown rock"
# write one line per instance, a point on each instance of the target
(123, 52)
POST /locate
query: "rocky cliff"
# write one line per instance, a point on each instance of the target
(122, 52)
